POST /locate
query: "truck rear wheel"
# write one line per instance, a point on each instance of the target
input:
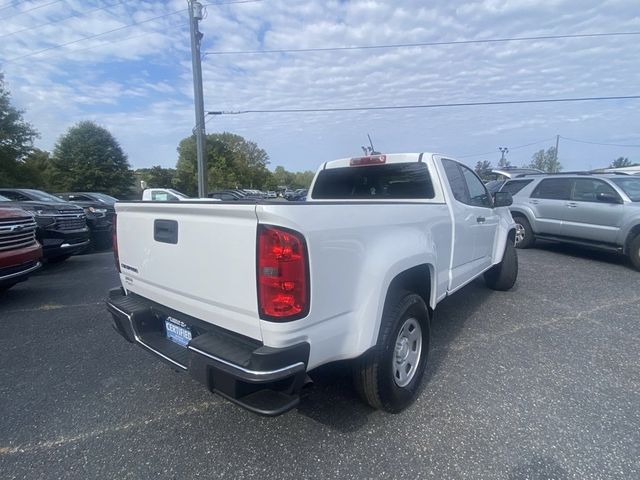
(388, 376)
(503, 275)
(634, 252)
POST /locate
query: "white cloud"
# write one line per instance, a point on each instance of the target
(137, 81)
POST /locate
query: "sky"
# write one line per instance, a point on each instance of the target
(137, 80)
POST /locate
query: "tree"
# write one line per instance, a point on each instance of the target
(546, 161)
(483, 169)
(16, 138)
(622, 162)
(35, 170)
(504, 162)
(89, 158)
(156, 176)
(232, 162)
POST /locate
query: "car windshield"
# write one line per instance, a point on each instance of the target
(177, 193)
(43, 196)
(104, 198)
(631, 187)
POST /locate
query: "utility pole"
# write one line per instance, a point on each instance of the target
(555, 163)
(195, 15)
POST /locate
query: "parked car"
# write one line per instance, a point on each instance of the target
(250, 298)
(596, 210)
(62, 227)
(299, 195)
(20, 252)
(99, 210)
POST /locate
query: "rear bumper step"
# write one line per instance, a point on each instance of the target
(262, 379)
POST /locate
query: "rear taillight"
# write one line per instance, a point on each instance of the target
(371, 160)
(283, 274)
(114, 241)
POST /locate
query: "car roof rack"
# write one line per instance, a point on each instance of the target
(579, 172)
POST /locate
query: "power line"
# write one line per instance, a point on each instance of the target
(492, 152)
(31, 9)
(421, 44)
(11, 5)
(53, 47)
(432, 105)
(78, 14)
(599, 143)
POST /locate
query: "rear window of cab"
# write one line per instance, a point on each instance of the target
(392, 181)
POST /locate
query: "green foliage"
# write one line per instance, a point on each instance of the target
(232, 162)
(156, 177)
(34, 172)
(504, 162)
(16, 138)
(89, 158)
(622, 162)
(283, 178)
(483, 169)
(546, 161)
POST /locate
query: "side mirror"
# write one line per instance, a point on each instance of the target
(502, 199)
(608, 198)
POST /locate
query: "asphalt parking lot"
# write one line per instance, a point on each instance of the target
(540, 382)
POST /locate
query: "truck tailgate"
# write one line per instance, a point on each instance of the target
(198, 259)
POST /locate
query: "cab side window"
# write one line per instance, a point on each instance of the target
(477, 191)
(456, 181)
(465, 185)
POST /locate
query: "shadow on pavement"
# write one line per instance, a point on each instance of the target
(333, 401)
(586, 253)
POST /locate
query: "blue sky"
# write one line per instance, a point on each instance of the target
(137, 81)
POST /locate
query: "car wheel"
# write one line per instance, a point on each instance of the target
(525, 237)
(634, 252)
(503, 275)
(388, 377)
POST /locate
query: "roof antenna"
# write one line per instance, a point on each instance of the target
(372, 150)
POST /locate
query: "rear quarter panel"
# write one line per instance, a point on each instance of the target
(355, 251)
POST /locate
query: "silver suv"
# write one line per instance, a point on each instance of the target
(596, 210)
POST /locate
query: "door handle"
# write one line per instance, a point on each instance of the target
(534, 202)
(572, 205)
(481, 219)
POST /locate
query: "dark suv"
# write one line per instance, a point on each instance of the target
(99, 209)
(62, 227)
(596, 210)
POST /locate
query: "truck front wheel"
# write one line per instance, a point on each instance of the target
(388, 376)
(503, 275)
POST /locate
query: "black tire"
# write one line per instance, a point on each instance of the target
(59, 259)
(373, 373)
(634, 252)
(503, 275)
(529, 237)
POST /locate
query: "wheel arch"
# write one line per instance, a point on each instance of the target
(633, 233)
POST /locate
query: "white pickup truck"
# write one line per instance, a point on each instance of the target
(251, 297)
